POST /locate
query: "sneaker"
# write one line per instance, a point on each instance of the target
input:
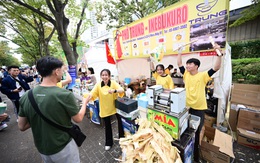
(3, 126)
(220, 128)
(107, 148)
(7, 119)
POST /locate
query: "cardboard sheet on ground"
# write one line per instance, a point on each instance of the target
(224, 142)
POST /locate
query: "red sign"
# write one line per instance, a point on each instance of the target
(208, 53)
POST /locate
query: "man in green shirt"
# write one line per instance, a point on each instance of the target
(59, 106)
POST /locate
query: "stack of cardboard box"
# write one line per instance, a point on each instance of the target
(209, 120)
(245, 114)
(216, 146)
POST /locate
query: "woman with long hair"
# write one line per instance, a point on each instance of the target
(107, 91)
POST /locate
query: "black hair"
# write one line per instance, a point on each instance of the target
(107, 70)
(195, 61)
(47, 64)
(170, 66)
(12, 66)
(159, 65)
(91, 70)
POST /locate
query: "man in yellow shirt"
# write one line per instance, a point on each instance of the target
(195, 83)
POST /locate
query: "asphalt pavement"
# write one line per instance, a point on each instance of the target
(18, 147)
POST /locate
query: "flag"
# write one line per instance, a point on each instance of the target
(110, 59)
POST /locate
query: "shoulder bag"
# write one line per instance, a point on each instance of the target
(74, 131)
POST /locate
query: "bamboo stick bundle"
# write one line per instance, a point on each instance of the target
(150, 144)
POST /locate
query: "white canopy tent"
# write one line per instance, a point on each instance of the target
(96, 58)
(133, 68)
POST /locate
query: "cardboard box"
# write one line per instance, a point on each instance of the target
(222, 148)
(209, 121)
(233, 115)
(248, 138)
(246, 94)
(249, 119)
(249, 87)
(243, 94)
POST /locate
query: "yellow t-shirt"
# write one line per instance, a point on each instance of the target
(167, 71)
(195, 89)
(59, 84)
(106, 100)
(166, 82)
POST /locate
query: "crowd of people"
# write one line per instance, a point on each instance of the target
(14, 83)
(50, 93)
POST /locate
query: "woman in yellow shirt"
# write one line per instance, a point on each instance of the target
(161, 77)
(107, 91)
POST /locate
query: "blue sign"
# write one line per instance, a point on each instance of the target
(73, 73)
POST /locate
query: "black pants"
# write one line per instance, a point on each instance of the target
(108, 129)
(16, 104)
(199, 113)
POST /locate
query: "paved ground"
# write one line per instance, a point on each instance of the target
(18, 147)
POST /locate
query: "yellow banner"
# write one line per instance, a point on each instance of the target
(187, 24)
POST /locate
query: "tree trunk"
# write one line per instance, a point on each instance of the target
(62, 24)
(69, 54)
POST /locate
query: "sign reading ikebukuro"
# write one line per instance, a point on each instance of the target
(191, 21)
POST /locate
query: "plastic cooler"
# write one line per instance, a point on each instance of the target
(142, 101)
(125, 104)
(127, 80)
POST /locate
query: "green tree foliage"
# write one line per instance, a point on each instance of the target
(29, 31)
(249, 14)
(245, 49)
(117, 13)
(246, 70)
(6, 58)
(54, 13)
